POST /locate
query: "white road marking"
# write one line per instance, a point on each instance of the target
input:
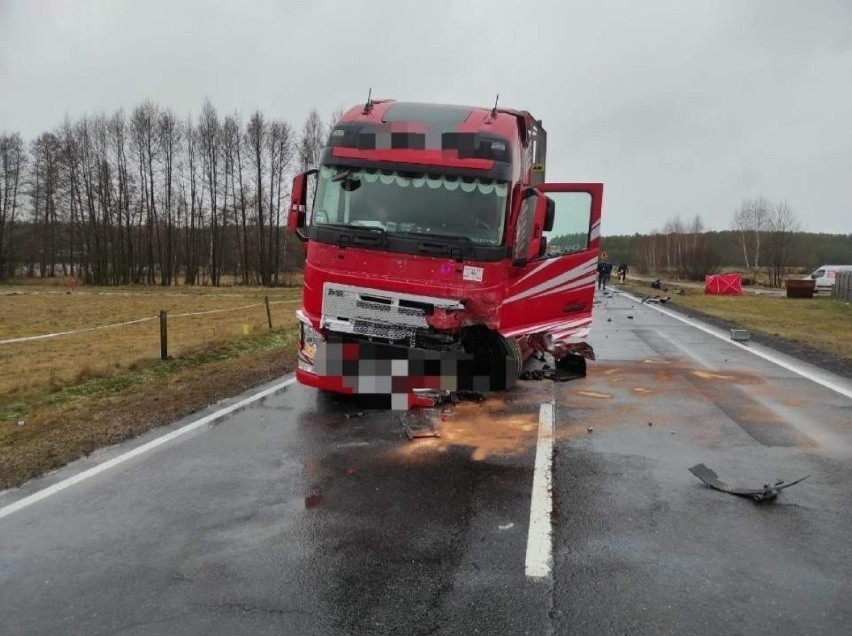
(139, 450)
(827, 383)
(539, 559)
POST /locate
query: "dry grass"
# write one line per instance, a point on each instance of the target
(28, 368)
(78, 392)
(822, 323)
(107, 411)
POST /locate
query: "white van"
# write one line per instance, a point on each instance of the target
(825, 276)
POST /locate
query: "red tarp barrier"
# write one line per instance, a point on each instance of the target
(723, 284)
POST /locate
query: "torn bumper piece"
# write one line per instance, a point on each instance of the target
(769, 491)
(399, 378)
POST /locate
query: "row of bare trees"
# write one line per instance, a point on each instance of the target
(766, 232)
(681, 249)
(153, 198)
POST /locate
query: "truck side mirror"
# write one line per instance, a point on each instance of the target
(529, 238)
(296, 216)
(549, 215)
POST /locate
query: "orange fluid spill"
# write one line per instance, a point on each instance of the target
(710, 376)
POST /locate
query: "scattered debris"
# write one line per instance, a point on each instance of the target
(21, 423)
(656, 300)
(590, 429)
(767, 492)
(355, 414)
(420, 423)
(630, 317)
(507, 526)
(650, 423)
(570, 367)
(740, 335)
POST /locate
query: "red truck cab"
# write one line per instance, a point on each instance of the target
(437, 257)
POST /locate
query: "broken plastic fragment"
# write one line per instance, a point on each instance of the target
(769, 491)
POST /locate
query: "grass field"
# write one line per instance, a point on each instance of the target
(77, 392)
(822, 323)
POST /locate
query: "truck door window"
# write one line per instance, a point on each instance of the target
(571, 222)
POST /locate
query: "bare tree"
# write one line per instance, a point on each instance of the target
(169, 134)
(44, 191)
(143, 123)
(335, 117)
(256, 133)
(125, 262)
(313, 140)
(12, 165)
(310, 148)
(782, 224)
(281, 153)
(750, 221)
(210, 137)
(192, 187)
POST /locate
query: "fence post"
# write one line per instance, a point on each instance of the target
(164, 336)
(268, 312)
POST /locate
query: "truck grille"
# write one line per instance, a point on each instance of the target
(374, 313)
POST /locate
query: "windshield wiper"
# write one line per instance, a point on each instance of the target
(440, 244)
(357, 234)
(442, 237)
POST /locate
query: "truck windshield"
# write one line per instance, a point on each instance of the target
(411, 202)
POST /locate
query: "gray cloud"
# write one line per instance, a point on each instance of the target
(677, 107)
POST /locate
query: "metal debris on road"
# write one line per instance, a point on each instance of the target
(740, 335)
(655, 300)
(767, 492)
(420, 423)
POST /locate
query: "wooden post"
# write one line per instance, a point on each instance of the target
(268, 312)
(164, 336)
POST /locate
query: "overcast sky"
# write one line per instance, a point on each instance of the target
(677, 106)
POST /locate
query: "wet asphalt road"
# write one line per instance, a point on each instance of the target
(287, 517)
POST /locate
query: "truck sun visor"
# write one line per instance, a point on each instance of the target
(447, 182)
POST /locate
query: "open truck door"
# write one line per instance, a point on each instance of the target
(555, 257)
